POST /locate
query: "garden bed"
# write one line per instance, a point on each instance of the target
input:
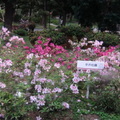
(42, 81)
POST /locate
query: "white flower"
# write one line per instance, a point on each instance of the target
(18, 94)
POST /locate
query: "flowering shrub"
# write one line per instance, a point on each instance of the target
(44, 78)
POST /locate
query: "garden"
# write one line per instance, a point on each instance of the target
(59, 60)
(39, 79)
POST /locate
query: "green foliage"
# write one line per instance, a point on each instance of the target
(56, 36)
(52, 107)
(21, 32)
(54, 21)
(73, 31)
(14, 107)
(107, 99)
(106, 116)
(107, 38)
(37, 19)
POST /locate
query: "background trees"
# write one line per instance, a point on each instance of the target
(105, 13)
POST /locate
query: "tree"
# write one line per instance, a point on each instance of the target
(10, 6)
(62, 8)
(87, 12)
(106, 13)
(9, 12)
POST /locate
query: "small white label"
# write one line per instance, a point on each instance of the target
(90, 65)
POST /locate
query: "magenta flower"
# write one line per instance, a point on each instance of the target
(39, 42)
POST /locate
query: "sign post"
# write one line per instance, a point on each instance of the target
(91, 65)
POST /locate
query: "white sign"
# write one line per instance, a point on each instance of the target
(90, 65)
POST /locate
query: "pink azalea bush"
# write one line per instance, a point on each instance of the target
(45, 74)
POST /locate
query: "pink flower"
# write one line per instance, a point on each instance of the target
(39, 37)
(8, 44)
(52, 45)
(39, 42)
(74, 89)
(38, 88)
(60, 59)
(33, 99)
(8, 62)
(41, 97)
(4, 29)
(38, 118)
(57, 65)
(40, 102)
(2, 85)
(46, 90)
(55, 90)
(26, 47)
(66, 105)
(78, 100)
(27, 72)
(48, 39)
(76, 79)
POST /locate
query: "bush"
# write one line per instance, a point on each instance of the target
(54, 21)
(21, 32)
(56, 36)
(108, 39)
(108, 99)
(37, 19)
(72, 30)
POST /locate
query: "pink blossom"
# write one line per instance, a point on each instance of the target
(33, 99)
(4, 29)
(41, 97)
(38, 118)
(40, 102)
(26, 47)
(46, 90)
(27, 64)
(74, 89)
(66, 105)
(55, 90)
(42, 80)
(27, 72)
(57, 65)
(78, 100)
(8, 62)
(52, 45)
(1, 115)
(38, 88)
(39, 42)
(8, 44)
(2, 85)
(48, 39)
(30, 56)
(76, 80)
(39, 37)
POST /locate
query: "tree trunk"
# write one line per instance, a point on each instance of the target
(64, 18)
(9, 12)
(45, 15)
